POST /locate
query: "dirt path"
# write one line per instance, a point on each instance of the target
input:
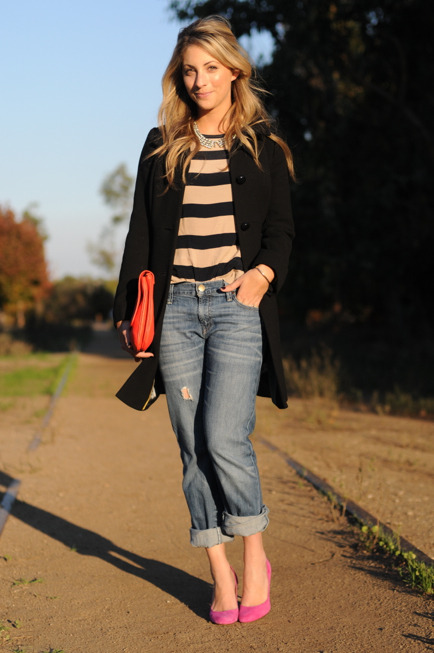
(99, 538)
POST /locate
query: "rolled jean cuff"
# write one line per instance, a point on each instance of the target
(244, 526)
(208, 537)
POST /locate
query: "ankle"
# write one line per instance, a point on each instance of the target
(221, 573)
(256, 563)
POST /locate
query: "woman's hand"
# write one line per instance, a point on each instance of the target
(251, 286)
(124, 333)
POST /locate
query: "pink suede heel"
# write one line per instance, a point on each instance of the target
(225, 617)
(254, 612)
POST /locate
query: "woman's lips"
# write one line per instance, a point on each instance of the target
(201, 96)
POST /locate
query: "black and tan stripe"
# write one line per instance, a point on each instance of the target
(207, 246)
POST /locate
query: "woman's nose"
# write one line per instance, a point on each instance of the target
(200, 79)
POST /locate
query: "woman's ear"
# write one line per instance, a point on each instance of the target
(235, 73)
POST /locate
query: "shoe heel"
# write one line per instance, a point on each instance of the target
(250, 613)
(225, 617)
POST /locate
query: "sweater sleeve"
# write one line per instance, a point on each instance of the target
(136, 250)
(278, 229)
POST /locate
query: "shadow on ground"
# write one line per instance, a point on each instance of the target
(191, 591)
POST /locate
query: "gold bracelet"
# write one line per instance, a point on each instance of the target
(264, 275)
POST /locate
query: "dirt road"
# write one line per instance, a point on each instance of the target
(95, 557)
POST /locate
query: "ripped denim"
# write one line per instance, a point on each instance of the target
(210, 361)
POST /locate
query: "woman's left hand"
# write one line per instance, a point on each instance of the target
(251, 286)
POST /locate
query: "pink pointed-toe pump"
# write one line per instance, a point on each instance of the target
(254, 612)
(225, 617)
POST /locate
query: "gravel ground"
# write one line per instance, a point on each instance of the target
(95, 557)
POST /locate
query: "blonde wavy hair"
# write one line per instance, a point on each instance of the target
(178, 112)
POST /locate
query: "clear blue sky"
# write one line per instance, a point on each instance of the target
(80, 89)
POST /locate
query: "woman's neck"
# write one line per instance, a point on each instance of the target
(208, 124)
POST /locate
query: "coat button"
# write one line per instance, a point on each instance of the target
(245, 226)
(241, 179)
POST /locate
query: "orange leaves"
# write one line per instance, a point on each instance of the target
(24, 277)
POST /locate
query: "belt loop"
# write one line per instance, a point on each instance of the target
(170, 295)
(229, 295)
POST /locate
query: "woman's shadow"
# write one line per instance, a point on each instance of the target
(191, 591)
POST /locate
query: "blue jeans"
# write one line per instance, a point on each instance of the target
(210, 361)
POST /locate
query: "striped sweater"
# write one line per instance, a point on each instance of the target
(207, 246)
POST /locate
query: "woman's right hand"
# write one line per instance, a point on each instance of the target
(124, 333)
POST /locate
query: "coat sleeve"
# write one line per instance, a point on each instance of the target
(278, 227)
(136, 251)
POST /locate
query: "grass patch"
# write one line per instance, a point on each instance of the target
(5, 405)
(415, 573)
(26, 581)
(35, 377)
(316, 375)
(323, 373)
(361, 365)
(29, 381)
(399, 402)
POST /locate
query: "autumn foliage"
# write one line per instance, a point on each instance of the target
(24, 280)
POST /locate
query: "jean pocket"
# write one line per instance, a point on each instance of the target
(250, 308)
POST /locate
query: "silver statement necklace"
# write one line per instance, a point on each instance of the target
(208, 142)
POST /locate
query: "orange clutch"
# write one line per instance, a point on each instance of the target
(142, 322)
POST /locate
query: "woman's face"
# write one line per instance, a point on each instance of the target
(207, 81)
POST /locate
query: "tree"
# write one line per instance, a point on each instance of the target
(76, 300)
(351, 89)
(24, 280)
(116, 190)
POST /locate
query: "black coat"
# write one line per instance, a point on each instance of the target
(265, 231)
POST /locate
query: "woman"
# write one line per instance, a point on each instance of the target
(212, 220)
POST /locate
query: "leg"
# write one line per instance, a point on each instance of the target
(181, 364)
(233, 360)
(224, 595)
(233, 357)
(255, 580)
